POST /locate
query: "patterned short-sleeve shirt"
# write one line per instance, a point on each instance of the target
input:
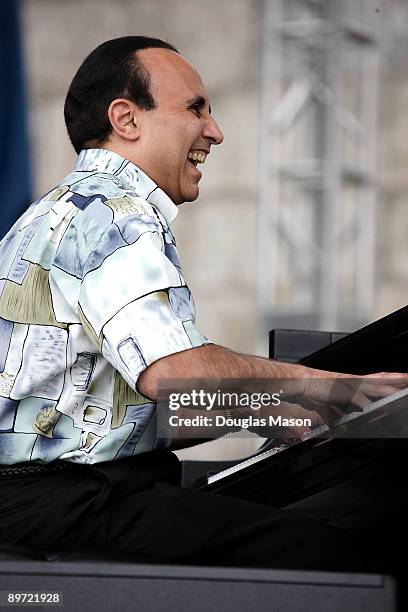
(91, 293)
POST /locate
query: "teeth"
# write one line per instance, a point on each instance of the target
(198, 157)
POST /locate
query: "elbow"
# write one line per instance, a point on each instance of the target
(189, 363)
(147, 384)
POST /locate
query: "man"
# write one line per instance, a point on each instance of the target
(95, 312)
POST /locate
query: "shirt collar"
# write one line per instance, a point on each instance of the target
(103, 160)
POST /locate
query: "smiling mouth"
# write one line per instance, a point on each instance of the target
(197, 172)
(196, 157)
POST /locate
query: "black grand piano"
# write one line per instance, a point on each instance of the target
(358, 482)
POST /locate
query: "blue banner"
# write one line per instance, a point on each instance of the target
(15, 189)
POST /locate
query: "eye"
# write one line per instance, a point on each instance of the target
(196, 108)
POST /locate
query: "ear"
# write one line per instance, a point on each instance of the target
(123, 115)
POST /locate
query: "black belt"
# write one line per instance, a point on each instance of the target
(29, 467)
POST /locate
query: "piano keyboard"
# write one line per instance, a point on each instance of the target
(370, 413)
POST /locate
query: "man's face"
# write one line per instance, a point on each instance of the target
(179, 128)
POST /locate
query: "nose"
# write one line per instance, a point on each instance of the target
(212, 131)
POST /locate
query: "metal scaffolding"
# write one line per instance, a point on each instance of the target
(318, 135)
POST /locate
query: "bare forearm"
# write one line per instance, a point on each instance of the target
(215, 362)
(299, 383)
(310, 387)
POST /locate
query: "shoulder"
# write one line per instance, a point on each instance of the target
(97, 216)
(102, 198)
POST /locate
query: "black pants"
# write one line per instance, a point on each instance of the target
(135, 508)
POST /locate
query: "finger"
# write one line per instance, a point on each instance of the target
(281, 433)
(296, 432)
(317, 418)
(329, 414)
(360, 400)
(396, 377)
(309, 416)
(379, 391)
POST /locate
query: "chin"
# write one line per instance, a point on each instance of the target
(191, 196)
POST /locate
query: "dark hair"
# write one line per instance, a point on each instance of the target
(112, 70)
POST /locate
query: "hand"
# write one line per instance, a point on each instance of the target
(347, 390)
(287, 411)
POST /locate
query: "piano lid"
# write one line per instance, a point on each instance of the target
(381, 346)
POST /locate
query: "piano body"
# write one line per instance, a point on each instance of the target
(358, 482)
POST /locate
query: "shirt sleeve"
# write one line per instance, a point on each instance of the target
(134, 303)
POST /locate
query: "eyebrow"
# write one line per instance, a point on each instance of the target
(199, 101)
